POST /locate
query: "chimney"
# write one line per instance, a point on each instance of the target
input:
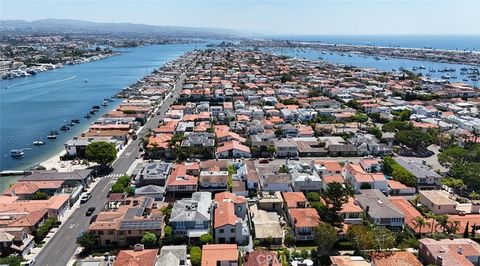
(367, 209)
(439, 260)
(460, 250)
(138, 247)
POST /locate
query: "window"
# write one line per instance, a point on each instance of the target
(199, 223)
(232, 231)
(110, 232)
(221, 231)
(100, 233)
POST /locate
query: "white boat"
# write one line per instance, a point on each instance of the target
(16, 153)
(85, 80)
(38, 142)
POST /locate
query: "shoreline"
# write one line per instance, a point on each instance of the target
(62, 65)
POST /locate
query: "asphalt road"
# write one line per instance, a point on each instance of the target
(62, 246)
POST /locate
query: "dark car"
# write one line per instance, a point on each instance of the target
(90, 211)
(263, 161)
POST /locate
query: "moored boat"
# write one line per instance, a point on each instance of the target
(17, 153)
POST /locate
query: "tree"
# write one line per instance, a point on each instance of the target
(313, 196)
(420, 222)
(278, 133)
(394, 126)
(167, 212)
(405, 115)
(376, 132)
(474, 228)
(271, 149)
(101, 152)
(195, 256)
(361, 238)
(86, 240)
(466, 232)
(335, 196)
(118, 188)
(360, 118)
(39, 195)
(149, 239)
(206, 239)
(442, 221)
(468, 173)
(288, 239)
(454, 155)
(11, 260)
(384, 238)
(414, 139)
(283, 169)
(474, 195)
(454, 227)
(168, 230)
(431, 216)
(325, 236)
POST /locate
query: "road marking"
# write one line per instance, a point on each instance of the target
(71, 226)
(58, 250)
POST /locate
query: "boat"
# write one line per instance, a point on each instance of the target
(445, 77)
(421, 67)
(64, 128)
(38, 142)
(17, 153)
(87, 116)
(105, 103)
(85, 80)
(465, 79)
(51, 136)
(76, 121)
(55, 132)
(71, 124)
(96, 107)
(377, 58)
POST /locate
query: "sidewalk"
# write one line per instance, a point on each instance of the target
(36, 250)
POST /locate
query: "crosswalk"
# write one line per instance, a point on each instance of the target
(115, 176)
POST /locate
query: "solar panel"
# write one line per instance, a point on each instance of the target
(140, 225)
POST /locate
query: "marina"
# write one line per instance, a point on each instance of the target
(35, 107)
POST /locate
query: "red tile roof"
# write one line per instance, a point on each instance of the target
(213, 254)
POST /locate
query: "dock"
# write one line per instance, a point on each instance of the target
(12, 172)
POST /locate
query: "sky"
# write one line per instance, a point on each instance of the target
(272, 17)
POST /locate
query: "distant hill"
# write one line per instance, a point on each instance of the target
(87, 27)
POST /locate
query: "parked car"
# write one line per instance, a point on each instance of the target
(85, 197)
(90, 211)
(30, 262)
(263, 161)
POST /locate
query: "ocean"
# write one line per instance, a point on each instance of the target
(450, 42)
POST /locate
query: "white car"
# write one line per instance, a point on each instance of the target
(85, 197)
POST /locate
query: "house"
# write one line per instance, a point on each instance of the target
(137, 256)
(410, 213)
(220, 254)
(276, 182)
(329, 179)
(446, 252)
(348, 261)
(426, 178)
(285, 148)
(371, 165)
(27, 190)
(154, 174)
(288, 130)
(325, 167)
(251, 175)
(15, 240)
(438, 201)
(233, 149)
(200, 144)
(403, 258)
(173, 256)
(367, 144)
(214, 180)
(359, 179)
(294, 200)
(72, 179)
(261, 258)
(124, 224)
(228, 227)
(270, 201)
(304, 178)
(351, 212)
(303, 222)
(266, 225)
(380, 210)
(191, 217)
(396, 188)
(153, 191)
(183, 179)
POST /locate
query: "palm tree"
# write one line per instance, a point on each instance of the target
(431, 216)
(420, 222)
(474, 195)
(454, 227)
(442, 221)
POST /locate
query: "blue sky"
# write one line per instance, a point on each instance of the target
(336, 17)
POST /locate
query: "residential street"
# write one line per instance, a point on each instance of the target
(62, 246)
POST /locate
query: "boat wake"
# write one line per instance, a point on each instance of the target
(42, 82)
